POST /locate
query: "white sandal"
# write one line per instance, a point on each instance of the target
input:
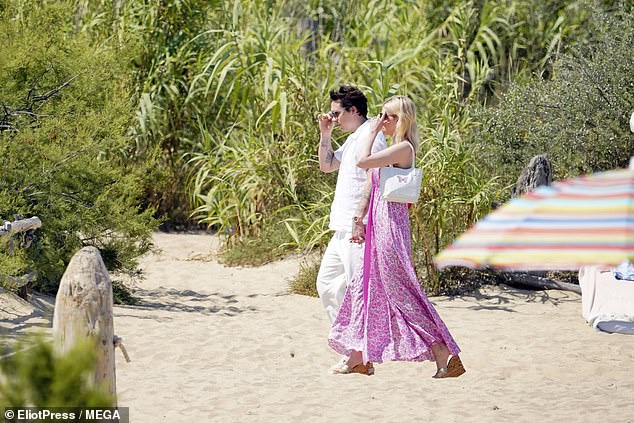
(364, 369)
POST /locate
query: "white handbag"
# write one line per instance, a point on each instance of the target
(401, 185)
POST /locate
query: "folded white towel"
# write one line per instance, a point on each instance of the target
(607, 303)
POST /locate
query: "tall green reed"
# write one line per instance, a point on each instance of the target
(229, 90)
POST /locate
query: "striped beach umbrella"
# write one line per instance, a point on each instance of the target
(588, 220)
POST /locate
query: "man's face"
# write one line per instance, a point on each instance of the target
(345, 118)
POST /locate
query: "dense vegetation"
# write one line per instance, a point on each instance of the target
(579, 118)
(67, 110)
(37, 375)
(200, 111)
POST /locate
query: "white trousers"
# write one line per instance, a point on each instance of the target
(336, 270)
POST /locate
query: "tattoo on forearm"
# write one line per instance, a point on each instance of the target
(326, 153)
(330, 157)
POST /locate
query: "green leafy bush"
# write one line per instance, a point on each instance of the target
(64, 144)
(304, 283)
(37, 376)
(214, 103)
(271, 69)
(579, 118)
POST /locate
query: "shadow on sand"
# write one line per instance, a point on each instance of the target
(188, 301)
(506, 298)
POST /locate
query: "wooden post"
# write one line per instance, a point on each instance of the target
(538, 172)
(83, 308)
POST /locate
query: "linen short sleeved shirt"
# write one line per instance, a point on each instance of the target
(351, 179)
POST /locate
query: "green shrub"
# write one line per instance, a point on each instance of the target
(64, 147)
(579, 118)
(256, 251)
(37, 376)
(305, 282)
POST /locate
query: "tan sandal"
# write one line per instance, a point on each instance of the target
(364, 369)
(454, 369)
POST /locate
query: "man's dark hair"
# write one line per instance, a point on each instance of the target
(350, 96)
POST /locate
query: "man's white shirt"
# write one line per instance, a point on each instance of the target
(351, 179)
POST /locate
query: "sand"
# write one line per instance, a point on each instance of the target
(19, 317)
(210, 343)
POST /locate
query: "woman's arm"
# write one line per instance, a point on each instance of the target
(398, 154)
(366, 145)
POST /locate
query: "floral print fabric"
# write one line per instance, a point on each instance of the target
(388, 318)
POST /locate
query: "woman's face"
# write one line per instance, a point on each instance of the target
(389, 124)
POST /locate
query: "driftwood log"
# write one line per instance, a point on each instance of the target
(531, 280)
(538, 172)
(83, 309)
(20, 226)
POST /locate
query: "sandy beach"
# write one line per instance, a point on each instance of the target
(210, 343)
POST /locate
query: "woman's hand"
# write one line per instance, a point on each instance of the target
(378, 122)
(358, 232)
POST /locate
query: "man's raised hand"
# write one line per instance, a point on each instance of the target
(326, 123)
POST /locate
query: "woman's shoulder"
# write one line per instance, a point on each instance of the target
(400, 146)
(407, 152)
(404, 146)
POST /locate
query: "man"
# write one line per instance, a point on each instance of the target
(348, 109)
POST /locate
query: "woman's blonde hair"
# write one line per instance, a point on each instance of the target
(406, 129)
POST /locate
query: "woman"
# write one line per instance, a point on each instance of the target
(385, 316)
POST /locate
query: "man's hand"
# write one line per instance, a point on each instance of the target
(358, 232)
(327, 160)
(326, 123)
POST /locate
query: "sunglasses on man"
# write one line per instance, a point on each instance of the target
(336, 114)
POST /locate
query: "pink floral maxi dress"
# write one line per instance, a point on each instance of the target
(385, 314)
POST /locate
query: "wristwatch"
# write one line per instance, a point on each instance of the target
(356, 219)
